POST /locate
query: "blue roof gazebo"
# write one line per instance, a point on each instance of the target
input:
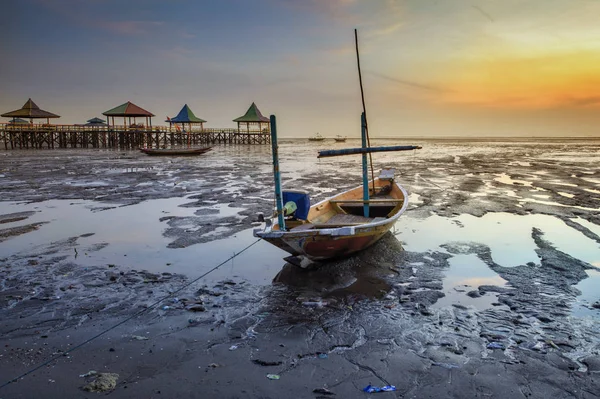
(186, 116)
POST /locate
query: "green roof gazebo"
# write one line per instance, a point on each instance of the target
(31, 111)
(128, 110)
(18, 121)
(186, 116)
(253, 117)
(95, 122)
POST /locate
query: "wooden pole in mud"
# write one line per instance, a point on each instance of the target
(276, 175)
(365, 168)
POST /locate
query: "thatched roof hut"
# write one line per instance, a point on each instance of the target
(32, 111)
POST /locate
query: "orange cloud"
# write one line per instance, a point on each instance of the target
(568, 79)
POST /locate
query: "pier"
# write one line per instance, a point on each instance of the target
(38, 136)
(186, 129)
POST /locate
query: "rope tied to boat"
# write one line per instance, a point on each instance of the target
(139, 313)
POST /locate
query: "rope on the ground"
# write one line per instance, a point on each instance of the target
(126, 320)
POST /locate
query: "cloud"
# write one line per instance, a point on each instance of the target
(408, 82)
(513, 80)
(583, 101)
(386, 30)
(335, 9)
(127, 27)
(343, 50)
(187, 35)
(291, 59)
(485, 14)
(73, 10)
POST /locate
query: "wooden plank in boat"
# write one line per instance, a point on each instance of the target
(346, 220)
(370, 202)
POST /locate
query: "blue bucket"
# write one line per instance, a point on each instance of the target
(302, 200)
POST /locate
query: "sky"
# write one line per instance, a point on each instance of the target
(431, 68)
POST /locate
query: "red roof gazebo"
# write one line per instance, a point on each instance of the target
(128, 110)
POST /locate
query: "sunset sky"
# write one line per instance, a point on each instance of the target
(430, 67)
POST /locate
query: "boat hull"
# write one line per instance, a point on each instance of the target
(337, 241)
(174, 152)
(320, 247)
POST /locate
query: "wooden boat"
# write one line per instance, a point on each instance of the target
(339, 139)
(337, 227)
(175, 151)
(343, 224)
(316, 137)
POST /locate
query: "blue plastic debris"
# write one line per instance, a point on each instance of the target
(496, 345)
(322, 355)
(371, 389)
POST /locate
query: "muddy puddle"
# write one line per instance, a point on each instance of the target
(133, 237)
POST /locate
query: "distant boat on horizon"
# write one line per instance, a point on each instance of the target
(339, 139)
(316, 137)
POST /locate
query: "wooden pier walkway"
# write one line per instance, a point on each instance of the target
(120, 137)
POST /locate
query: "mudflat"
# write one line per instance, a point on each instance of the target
(487, 287)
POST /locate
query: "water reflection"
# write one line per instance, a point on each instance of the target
(465, 274)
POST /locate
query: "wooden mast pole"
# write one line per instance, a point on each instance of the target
(366, 126)
(276, 174)
(365, 170)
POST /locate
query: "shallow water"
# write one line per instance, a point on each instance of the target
(466, 273)
(461, 193)
(135, 239)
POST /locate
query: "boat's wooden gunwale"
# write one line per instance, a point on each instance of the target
(369, 201)
(174, 152)
(323, 229)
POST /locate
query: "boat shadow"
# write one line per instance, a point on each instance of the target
(362, 276)
(301, 300)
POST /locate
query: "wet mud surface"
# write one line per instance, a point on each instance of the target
(487, 287)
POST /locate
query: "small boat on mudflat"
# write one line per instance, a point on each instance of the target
(175, 151)
(343, 224)
(337, 227)
(316, 137)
